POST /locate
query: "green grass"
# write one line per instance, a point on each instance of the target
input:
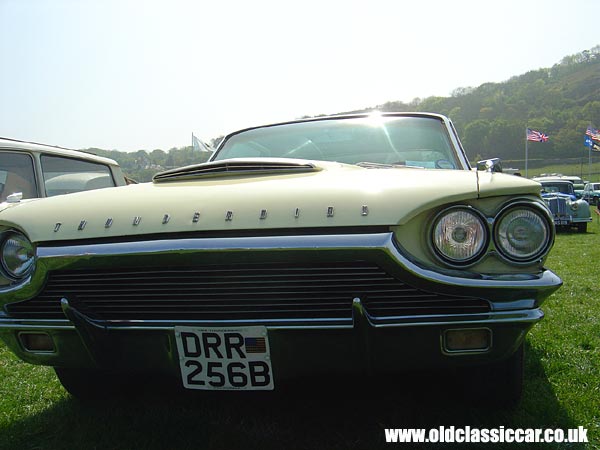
(562, 391)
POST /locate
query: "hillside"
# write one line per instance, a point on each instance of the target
(491, 119)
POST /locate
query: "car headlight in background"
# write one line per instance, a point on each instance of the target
(17, 255)
(522, 234)
(459, 235)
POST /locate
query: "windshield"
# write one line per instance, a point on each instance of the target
(553, 188)
(412, 141)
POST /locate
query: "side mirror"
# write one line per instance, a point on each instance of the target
(490, 165)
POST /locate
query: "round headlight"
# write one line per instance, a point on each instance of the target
(522, 234)
(459, 236)
(17, 255)
(574, 206)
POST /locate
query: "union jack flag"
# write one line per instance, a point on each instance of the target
(593, 133)
(536, 136)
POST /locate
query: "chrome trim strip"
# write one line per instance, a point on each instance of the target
(522, 316)
(303, 242)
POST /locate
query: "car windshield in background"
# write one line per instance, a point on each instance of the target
(562, 188)
(411, 141)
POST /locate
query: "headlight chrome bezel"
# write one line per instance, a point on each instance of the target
(6, 268)
(492, 242)
(545, 220)
(480, 248)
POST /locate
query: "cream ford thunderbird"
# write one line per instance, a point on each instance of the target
(360, 244)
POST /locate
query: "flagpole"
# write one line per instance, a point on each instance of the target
(526, 151)
(590, 159)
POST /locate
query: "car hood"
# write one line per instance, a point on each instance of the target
(549, 195)
(328, 195)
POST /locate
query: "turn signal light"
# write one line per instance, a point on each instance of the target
(468, 340)
(37, 342)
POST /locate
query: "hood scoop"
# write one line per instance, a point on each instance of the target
(233, 167)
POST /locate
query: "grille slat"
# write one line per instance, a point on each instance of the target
(238, 292)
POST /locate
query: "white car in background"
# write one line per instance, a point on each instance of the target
(30, 170)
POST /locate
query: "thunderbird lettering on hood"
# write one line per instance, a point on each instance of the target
(324, 194)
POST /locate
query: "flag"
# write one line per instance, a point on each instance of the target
(200, 146)
(595, 147)
(593, 133)
(588, 142)
(536, 136)
(255, 345)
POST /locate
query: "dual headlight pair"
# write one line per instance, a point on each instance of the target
(17, 255)
(521, 234)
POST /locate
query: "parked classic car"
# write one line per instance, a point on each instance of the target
(315, 247)
(37, 170)
(567, 210)
(578, 182)
(591, 193)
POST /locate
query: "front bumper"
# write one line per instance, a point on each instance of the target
(361, 342)
(295, 351)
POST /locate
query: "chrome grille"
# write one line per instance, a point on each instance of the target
(238, 292)
(557, 205)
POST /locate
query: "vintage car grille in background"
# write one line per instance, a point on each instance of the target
(239, 292)
(557, 205)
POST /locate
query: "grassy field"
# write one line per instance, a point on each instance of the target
(562, 391)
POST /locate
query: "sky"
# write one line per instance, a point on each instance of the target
(144, 74)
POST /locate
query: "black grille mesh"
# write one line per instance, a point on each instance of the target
(238, 292)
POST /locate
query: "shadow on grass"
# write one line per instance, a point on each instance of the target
(312, 414)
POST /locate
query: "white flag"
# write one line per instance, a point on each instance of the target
(197, 144)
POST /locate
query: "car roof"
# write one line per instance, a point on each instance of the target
(555, 181)
(15, 144)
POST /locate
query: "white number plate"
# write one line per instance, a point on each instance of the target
(224, 358)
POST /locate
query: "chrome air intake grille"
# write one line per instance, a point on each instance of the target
(238, 292)
(557, 205)
(234, 167)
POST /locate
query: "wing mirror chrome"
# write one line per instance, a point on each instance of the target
(490, 165)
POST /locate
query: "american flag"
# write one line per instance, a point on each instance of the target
(593, 133)
(536, 136)
(255, 345)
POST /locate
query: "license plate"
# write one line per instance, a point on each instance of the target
(224, 358)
